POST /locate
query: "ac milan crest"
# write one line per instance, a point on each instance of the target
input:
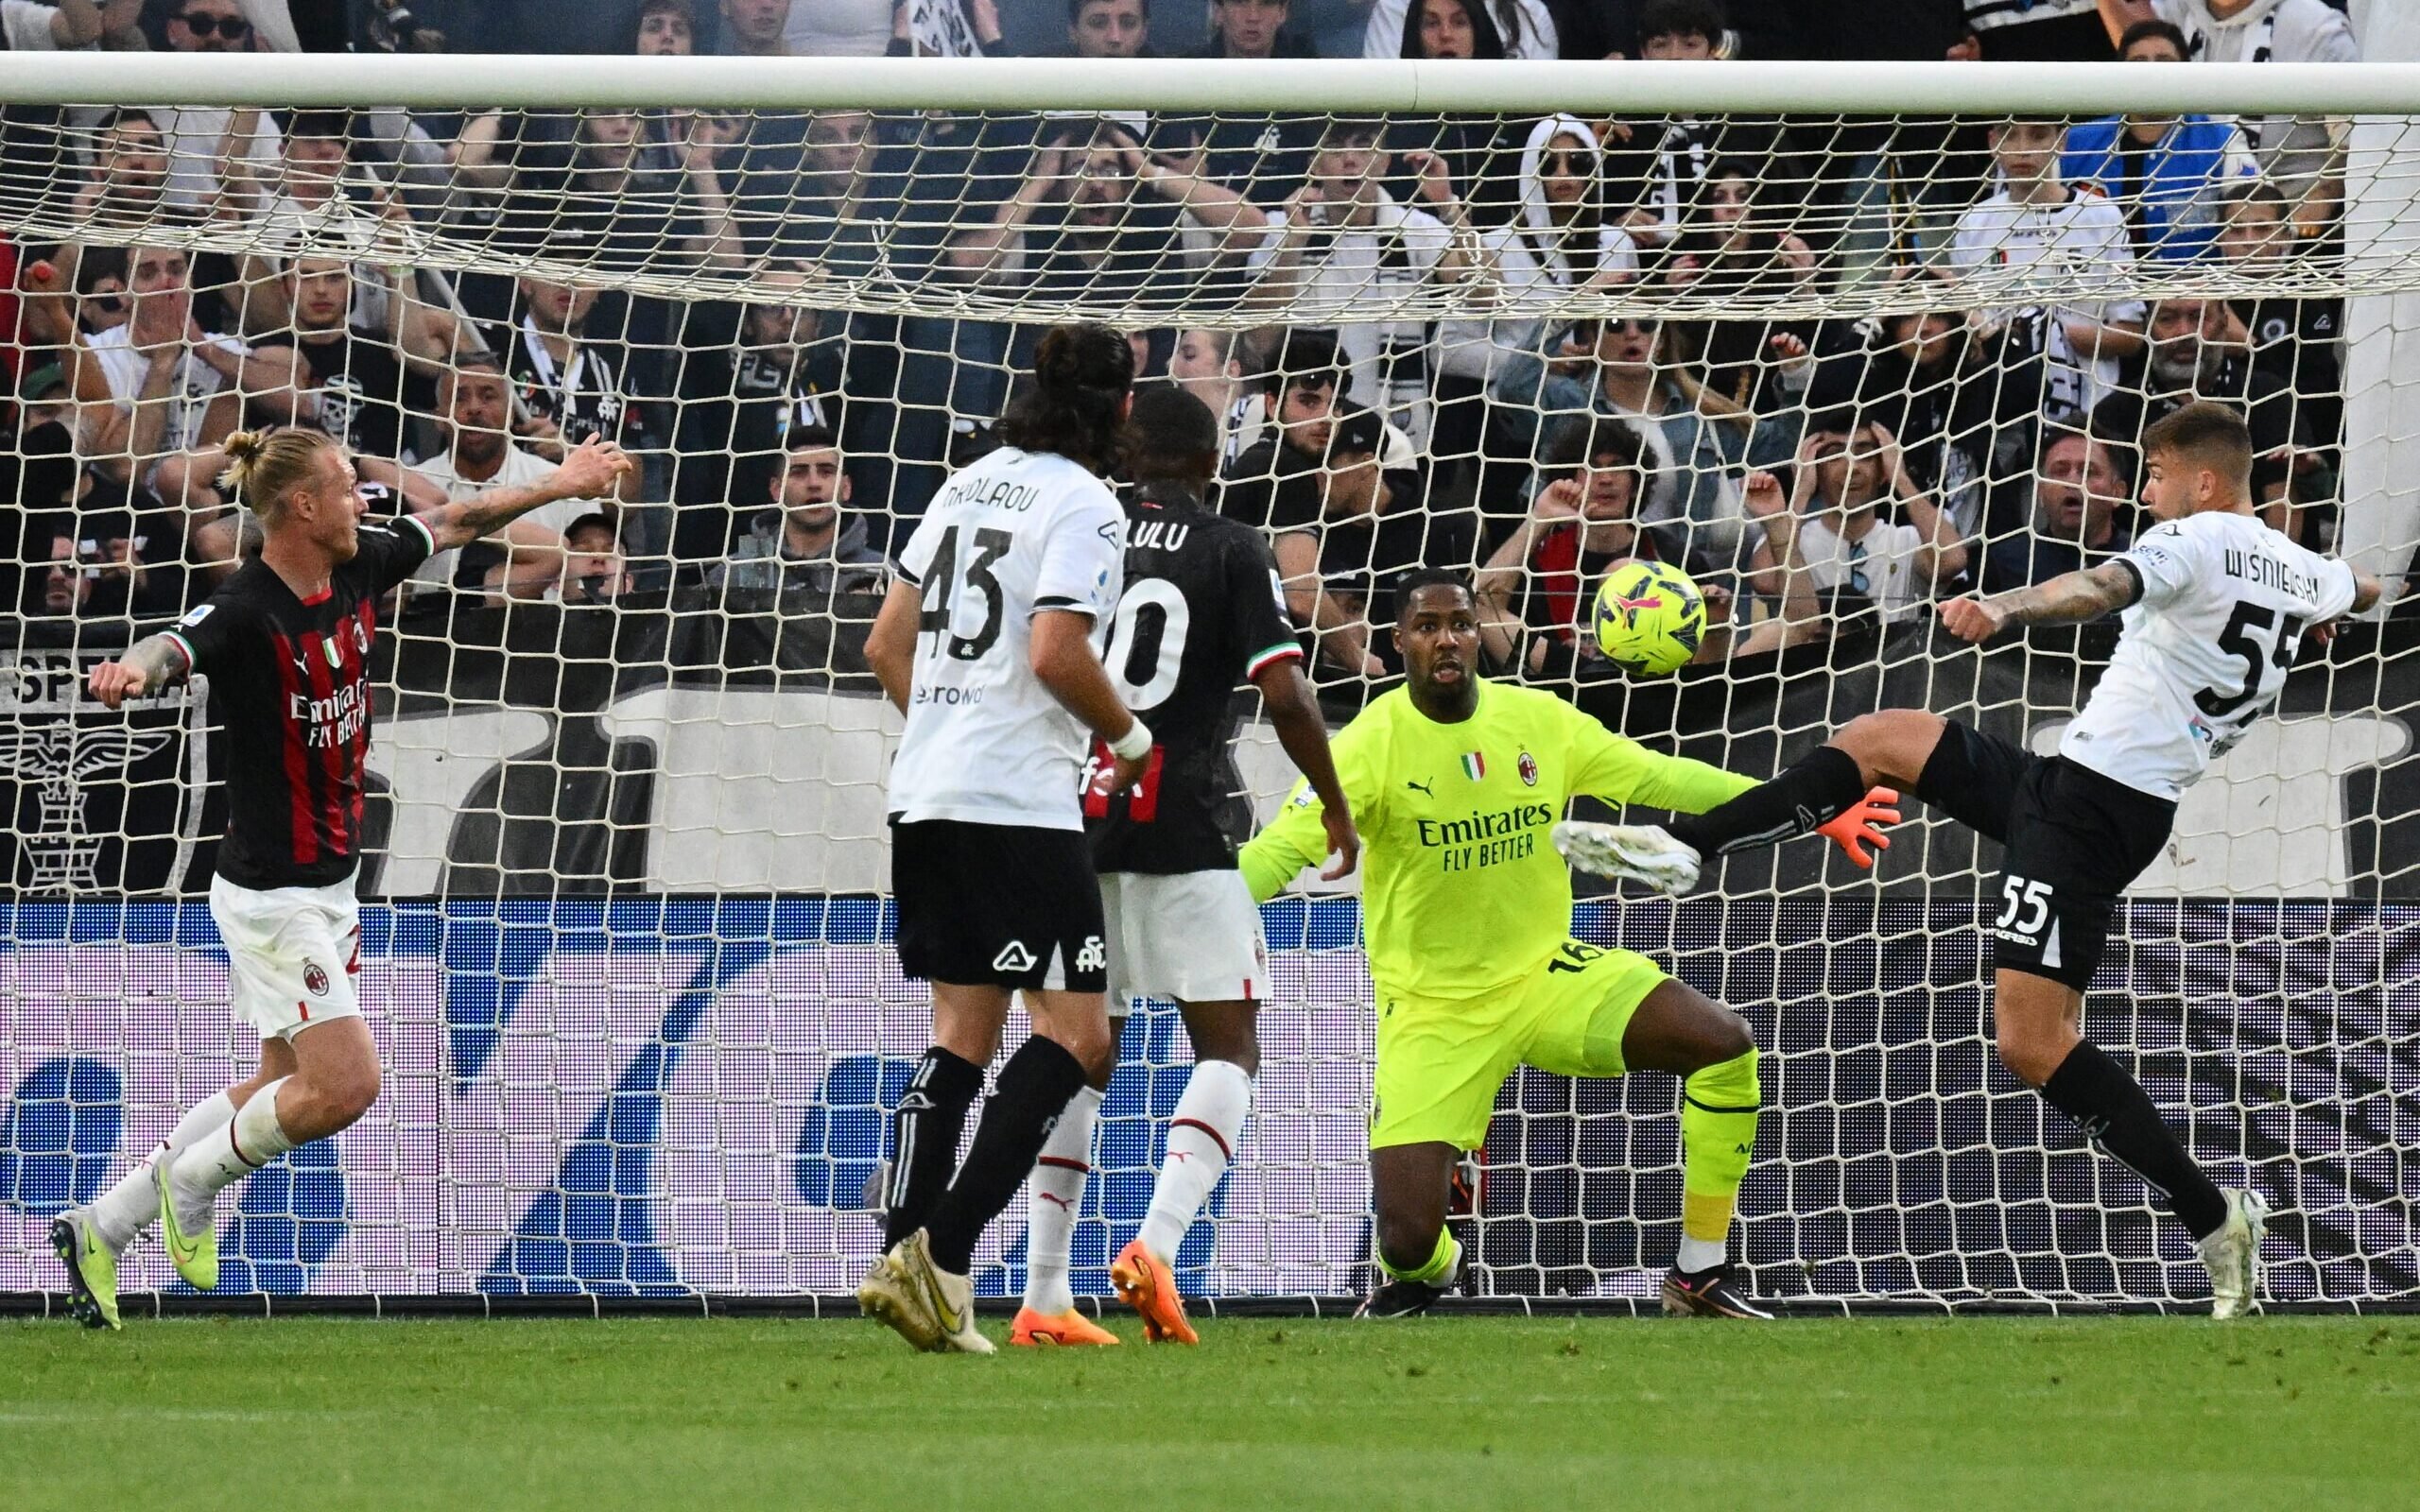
(316, 979)
(1529, 769)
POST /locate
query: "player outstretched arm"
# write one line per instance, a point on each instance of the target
(2069, 598)
(151, 663)
(1294, 714)
(589, 471)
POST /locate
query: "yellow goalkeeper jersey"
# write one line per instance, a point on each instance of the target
(1463, 892)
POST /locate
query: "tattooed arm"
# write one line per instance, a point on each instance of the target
(588, 472)
(150, 664)
(2066, 599)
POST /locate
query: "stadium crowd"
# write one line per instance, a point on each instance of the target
(1822, 477)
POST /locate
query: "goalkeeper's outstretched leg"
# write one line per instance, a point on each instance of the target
(1588, 1012)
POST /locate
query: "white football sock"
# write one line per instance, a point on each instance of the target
(1057, 1190)
(247, 1141)
(126, 1209)
(1208, 1122)
(1699, 1254)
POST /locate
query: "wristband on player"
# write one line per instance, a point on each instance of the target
(1134, 745)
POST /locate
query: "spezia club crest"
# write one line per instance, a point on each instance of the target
(1528, 766)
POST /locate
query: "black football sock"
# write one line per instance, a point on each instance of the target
(1032, 1092)
(2116, 1114)
(1815, 790)
(925, 1131)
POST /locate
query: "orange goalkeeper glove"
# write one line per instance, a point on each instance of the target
(1858, 832)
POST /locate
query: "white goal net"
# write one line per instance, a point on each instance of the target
(626, 947)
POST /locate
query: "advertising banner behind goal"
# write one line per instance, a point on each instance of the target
(653, 1099)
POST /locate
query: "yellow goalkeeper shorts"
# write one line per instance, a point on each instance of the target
(1442, 1061)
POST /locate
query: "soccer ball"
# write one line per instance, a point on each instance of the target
(1649, 617)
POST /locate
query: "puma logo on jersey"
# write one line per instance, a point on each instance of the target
(1423, 787)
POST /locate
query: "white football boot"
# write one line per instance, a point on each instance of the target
(2232, 1255)
(1633, 852)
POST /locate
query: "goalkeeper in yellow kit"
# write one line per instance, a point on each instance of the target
(1460, 785)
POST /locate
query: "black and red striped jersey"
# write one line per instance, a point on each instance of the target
(1202, 611)
(290, 679)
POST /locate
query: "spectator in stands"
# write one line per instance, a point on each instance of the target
(1109, 28)
(1478, 149)
(1661, 171)
(67, 25)
(1303, 391)
(1848, 473)
(2189, 359)
(946, 29)
(1254, 29)
(320, 200)
(2036, 218)
(1742, 249)
(839, 222)
(338, 374)
(1208, 365)
(839, 28)
(750, 375)
(114, 556)
(571, 385)
(475, 399)
(1695, 439)
(668, 28)
(1343, 544)
(199, 138)
(1561, 242)
(2072, 523)
(756, 28)
(123, 191)
(157, 394)
(576, 181)
(2165, 173)
(1536, 593)
(595, 569)
(1373, 254)
(1082, 227)
(1500, 28)
(2301, 339)
(2301, 155)
(1921, 376)
(2037, 31)
(806, 543)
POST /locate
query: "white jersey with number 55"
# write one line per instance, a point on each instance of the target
(2205, 647)
(1016, 533)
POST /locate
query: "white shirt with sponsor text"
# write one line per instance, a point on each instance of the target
(2204, 652)
(1016, 533)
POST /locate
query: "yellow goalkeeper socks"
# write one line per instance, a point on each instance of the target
(1718, 1137)
(1440, 1266)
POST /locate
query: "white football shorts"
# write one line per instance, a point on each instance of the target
(291, 954)
(1194, 937)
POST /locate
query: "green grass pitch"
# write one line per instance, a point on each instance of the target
(1460, 1413)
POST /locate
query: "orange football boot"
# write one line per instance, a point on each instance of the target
(1146, 1284)
(1033, 1329)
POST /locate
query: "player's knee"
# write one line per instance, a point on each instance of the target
(1405, 1241)
(1726, 1038)
(345, 1093)
(2031, 1056)
(1229, 1038)
(1891, 745)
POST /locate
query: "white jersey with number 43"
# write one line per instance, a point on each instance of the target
(2224, 603)
(1016, 533)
